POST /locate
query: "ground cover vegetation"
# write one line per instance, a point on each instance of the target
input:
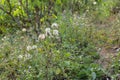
(59, 40)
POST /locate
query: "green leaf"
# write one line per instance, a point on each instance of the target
(2, 1)
(67, 63)
(93, 75)
(67, 55)
(58, 2)
(58, 71)
(3, 29)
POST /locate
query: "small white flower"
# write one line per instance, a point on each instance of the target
(29, 67)
(99, 49)
(55, 32)
(20, 57)
(28, 56)
(5, 37)
(94, 3)
(87, 10)
(25, 71)
(34, 46)
(54, 25)
(2, 39)
(48, 31)
(24, 30)
(118, 49)
(22, 37)
(41, 37)
(29, 48)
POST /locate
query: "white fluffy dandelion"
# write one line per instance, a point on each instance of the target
(24, 30)
(48, 32)
(29, 48)
(41, 37)
(54, 25)
(55, 32)
(4, 38)
(34, 46)
(29, 67)
(20, 56)
(27, 56)
(94, 3)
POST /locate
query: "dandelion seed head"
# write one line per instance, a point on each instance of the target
(55, 32)
(24, 30)
(34, 46)
(54, 25)
(29, 48)
(20, 57)
(41, 37)
(28, 56)
(94, 3)
(48, 31)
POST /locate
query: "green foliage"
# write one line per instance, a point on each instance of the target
(22, 13)
(66, 52)
(73, 58)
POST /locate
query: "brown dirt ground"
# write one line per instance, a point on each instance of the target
(106, 56)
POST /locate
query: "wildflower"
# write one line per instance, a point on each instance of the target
(87, 10)
(48, 31)
(34, 46)
(118, 49)
(54, 25)
(20, 57)
(27, 56)
(24, 30)
(29, 67)
(29, 48)
(2, 39)
(94, 3)
(99, 49)
(18, 32)
(22, 37)
(41, 37)
(55, 32)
